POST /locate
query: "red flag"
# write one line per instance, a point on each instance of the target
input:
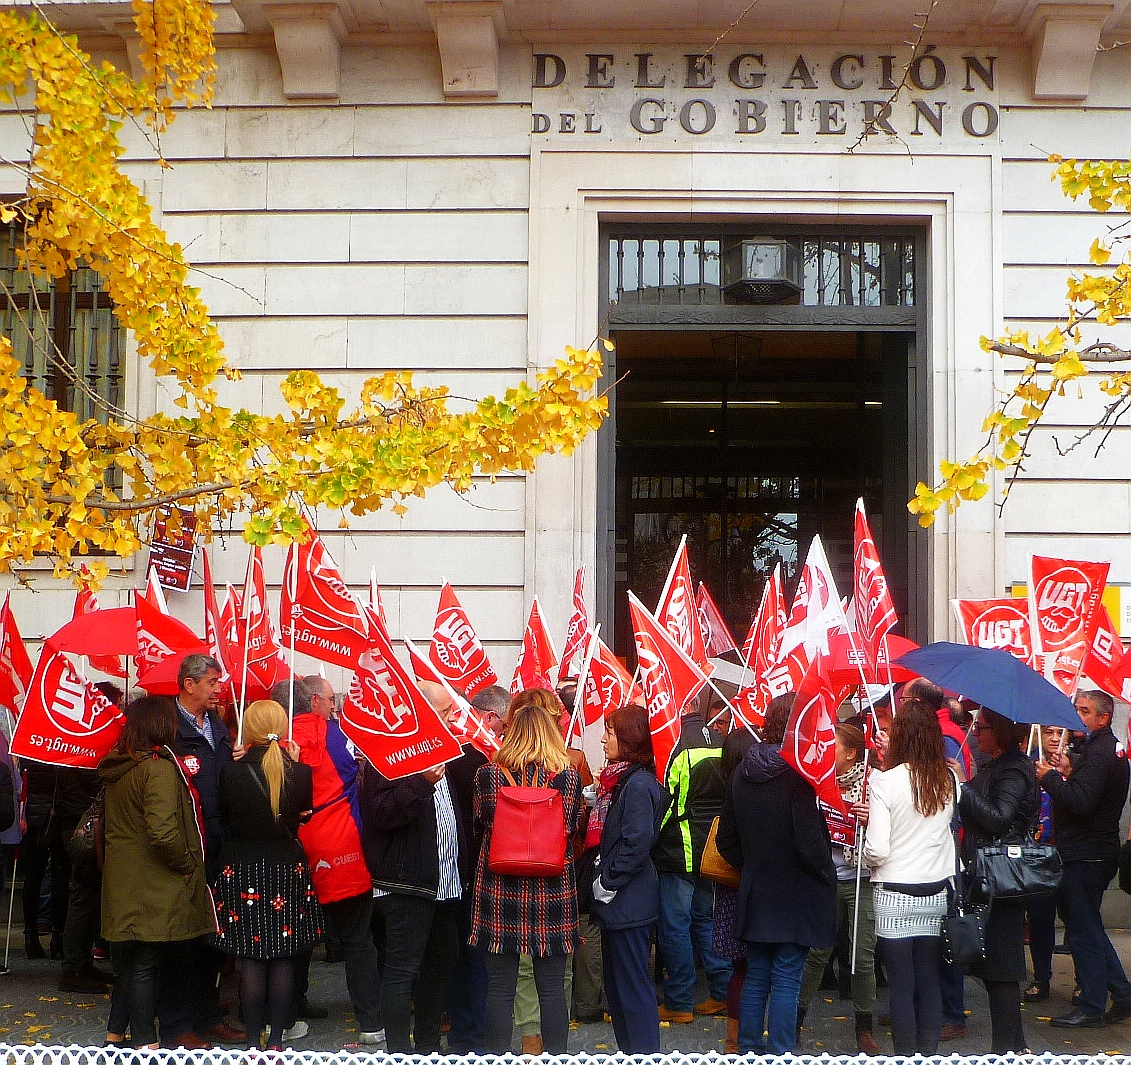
(1002, 624)
(456, 651)
(66, 720)
(676, 610)
(327, 622)
(465, 723)
(750, 707)
(669, 677)
(716, 635)
(230, 624)
(86, 602)
(816, 611)
(810, 736)
(577, 628)
(1105, 655)
(161, 636)
(213, 620)
(1064, 597)
(15, 666)
(265, 662)
(537, 656)
(875, 612)
(608, 685)
(387, 717)
(154, 594)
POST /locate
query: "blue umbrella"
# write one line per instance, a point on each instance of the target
(995, 679)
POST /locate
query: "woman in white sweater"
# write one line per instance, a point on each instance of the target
(910, 847)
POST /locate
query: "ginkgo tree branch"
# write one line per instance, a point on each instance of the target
(1054, 360)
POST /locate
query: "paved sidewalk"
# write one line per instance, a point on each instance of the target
(33, 1011)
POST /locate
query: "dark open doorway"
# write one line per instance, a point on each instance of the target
(750, 441)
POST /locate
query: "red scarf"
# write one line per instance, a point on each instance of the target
(606, 782)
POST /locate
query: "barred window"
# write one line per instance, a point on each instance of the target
(63, 331)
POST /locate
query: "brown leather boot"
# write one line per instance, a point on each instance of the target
(732, 1035)
(532, 1045)
(865, 1041)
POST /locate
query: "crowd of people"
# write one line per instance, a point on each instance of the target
(203, 844)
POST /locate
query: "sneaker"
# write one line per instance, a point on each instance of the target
(299, 1030)
(372, 1039)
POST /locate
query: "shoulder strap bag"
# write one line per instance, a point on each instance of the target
(528, 836)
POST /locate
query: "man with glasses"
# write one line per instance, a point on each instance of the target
(1087, 801)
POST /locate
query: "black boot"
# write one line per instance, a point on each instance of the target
(801, 1011)
(33, 948)
(865, 1041)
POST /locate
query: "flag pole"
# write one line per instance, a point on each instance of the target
(292, 588)
(757, 615)
(11, 905)
(671, 572)
(246, 618)
(579, 691)
(859, 867)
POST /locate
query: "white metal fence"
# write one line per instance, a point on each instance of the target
(79, 1055)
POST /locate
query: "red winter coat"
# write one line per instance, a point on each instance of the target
(332, 837)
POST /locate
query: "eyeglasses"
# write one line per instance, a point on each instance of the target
(983, 726)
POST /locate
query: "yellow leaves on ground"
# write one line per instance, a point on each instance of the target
(1053, 360)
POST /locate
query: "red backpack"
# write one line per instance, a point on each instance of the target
(528, 837)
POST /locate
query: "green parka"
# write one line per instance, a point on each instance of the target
(153, 883)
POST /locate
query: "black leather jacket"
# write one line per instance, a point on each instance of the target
(1002, 802)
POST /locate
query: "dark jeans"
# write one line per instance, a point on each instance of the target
(626, 957)
(915, 1002)
(1098, 968)
(1042, 936)
(189, 995)
(421, 939)
(549, 978)
(686, 928)
(83, 923)
(133, 1004)
(45, 848)
(768, 1001)
(351, 919)
(467, 992)
(952, 988)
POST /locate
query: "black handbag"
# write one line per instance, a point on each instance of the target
(1027, 870)
(963, 930)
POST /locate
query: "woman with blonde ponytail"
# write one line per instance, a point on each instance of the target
(264, 896)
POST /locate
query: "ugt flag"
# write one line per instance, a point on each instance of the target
(15, 666)
(457, 653)
(66, 720)
(810, 736)
(317, 611)
(669, 677)
(875, 611)
(388, 719)
(1064, 597)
